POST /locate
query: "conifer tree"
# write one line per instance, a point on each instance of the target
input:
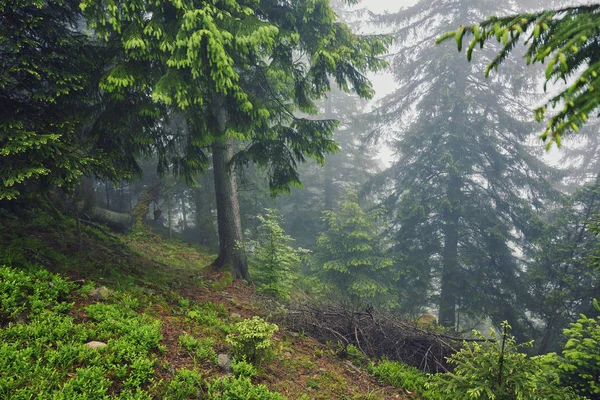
(350, 255)
(232, 68)
(274, 261)
(568, 39)
(464, 185)
(53, 125)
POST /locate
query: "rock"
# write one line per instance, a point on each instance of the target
(224, 362)
(100, 293)
(95, 344)
(235, 315)
(288, 354)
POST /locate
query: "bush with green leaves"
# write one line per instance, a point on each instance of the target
(496, 369)
(231, 388)
(23, 293)
(400, 375)
(186, 384)
(251, 340)
(274, 262)
(200, 349)
(580, 361)
(45, 355)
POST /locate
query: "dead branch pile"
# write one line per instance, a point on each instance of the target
(375, 334)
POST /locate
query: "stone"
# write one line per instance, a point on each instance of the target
(95, 344)
(235, 315)
(100, 293)
(224, 362)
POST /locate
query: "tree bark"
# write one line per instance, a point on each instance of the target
(450, 267)
(183, 210)
(231, 255)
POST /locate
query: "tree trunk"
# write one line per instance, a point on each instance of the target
(231, 255)
(205, 223)
(183, 211)
(170, 219)
(450, 267)
(107, 195)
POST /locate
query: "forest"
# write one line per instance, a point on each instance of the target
(408, 200)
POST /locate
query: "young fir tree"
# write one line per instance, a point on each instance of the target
(274, 262)
(350, 255)
(463, 184)
(232, 68)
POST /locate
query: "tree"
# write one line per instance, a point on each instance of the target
(274, 261)
(563, 278)
(240, 70)
(55, 125)
(569, 38)
(463, 187)
(350, 255)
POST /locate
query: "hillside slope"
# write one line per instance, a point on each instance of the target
(163, 315)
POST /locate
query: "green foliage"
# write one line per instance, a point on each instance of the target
(403, 376)
(240, 388)
(243, 369)
(496, 369)
(274, 262)
(351, 257)
(186, 384)
(251, 340)
(210, 317)
(242, 63)
(580, 361)
(45, 356)
(567, 39)
(25, 294)
(200, 349)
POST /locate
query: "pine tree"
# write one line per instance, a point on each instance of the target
(462, 187)
(350, 255)
(232, 69)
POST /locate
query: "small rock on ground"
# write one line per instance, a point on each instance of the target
(95, 344)
(224, 362)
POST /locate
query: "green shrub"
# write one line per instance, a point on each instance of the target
(23, 293)
(580, 361)
(400, 375)
(243, 369)
(45, 356)
(240, 388)
(199, 349)
(251, 340)
(497, 369)
(186, 384)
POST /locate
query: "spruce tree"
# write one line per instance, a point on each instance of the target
(567, 38)
(351, 258)
(463, 184)
(232, 69)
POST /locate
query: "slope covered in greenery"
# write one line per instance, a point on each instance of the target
(163, 316)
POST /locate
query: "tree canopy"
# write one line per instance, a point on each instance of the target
(568, 39)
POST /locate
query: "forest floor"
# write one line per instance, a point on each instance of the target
(153, 283)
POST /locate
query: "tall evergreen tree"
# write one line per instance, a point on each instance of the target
(463, 185)
(568, 37)
(233, 69)
(53, 119)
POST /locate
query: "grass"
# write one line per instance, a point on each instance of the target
(165, 319)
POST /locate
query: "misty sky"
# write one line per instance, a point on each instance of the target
(389, 5)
